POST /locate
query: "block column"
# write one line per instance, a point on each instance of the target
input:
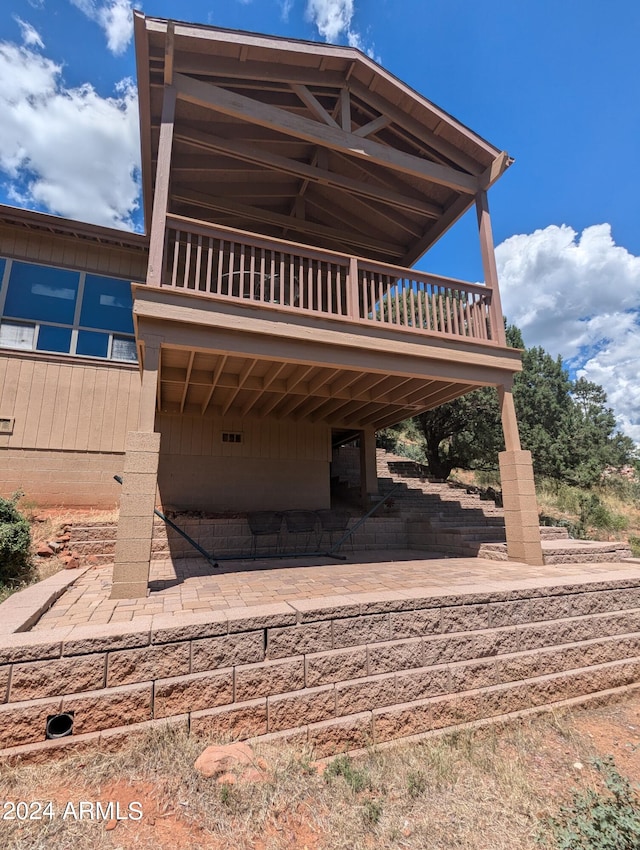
(139, 485)
(521, 521)
(368, 466)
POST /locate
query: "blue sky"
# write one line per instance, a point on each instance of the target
(554, 84)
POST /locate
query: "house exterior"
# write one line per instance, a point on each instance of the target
(288, 187)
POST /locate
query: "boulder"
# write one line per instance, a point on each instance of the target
(218, 759)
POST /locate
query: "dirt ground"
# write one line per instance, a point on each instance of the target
(488, 789)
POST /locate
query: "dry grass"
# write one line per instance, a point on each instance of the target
(489, 789)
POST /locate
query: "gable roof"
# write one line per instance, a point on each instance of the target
(314, 143)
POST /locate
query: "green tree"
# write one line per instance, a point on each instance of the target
(566, 425)
(464, 433)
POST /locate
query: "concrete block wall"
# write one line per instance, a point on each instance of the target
(339, 672)
(227, 537)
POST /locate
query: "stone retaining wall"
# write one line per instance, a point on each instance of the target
(339, 673)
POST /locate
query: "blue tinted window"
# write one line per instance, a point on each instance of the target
(54, 339)
(107, 304)
(3, 263)
(92, 344)
(41, 293)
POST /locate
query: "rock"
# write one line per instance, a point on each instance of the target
(219, 759)
(252, 774)
(44, 551)
(54, 545)
(226, 779)
(72, 564)
(63, 538)
(112, 824)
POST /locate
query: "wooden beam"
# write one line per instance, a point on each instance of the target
(239, 106)
(161, 189)
(356, 240)
(495, 170)
(316, 174)
(198, 65)
(243, 377)
(489, 267)
(168, 54)
(216, 376)
(431, 235)
(314, 105)
(267, 381)
(361, 211)
(345, 109)
(404, 121)
(186, 381)
(373, 126)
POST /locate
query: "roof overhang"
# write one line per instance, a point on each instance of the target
(309, 142)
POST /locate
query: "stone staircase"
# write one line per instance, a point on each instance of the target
(444, 517)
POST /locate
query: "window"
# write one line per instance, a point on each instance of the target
(14, 335)
(68, 312)
(39, 292)
(106, 304)
(231, 437)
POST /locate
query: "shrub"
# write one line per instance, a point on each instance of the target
(15, 542)
(609, 820)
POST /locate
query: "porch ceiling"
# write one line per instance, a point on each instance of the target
(197, 383)
(309, 142)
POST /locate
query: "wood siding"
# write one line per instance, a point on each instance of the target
(67, 404)
(73, 253)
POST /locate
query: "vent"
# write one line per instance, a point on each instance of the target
(6, 425)
(231, 436)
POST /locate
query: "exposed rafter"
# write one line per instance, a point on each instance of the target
(253, 111)
(253, 154)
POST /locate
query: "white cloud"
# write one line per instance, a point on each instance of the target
(333, 20)
(331, 17)
(114, 16)
(30, 35)
(579, 296)
(286, 7)
(69, 151)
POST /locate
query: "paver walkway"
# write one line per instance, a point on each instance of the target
(192, 585)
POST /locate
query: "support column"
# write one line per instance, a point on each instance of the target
(139, 485)
(522, 524)
(489, 267)
(368, 466)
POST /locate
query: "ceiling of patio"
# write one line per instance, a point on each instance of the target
(197, 383)
(303, 141)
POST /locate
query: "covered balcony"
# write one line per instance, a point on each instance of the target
(288, 189)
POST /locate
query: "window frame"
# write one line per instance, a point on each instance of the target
(75, 328)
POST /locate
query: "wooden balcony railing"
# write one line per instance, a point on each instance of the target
(227, 264)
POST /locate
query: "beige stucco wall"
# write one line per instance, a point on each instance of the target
(279, 465)
(69, 421)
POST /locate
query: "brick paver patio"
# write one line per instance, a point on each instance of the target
(192, 586)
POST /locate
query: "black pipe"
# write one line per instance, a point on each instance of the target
(210, 558)
(59, 725)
